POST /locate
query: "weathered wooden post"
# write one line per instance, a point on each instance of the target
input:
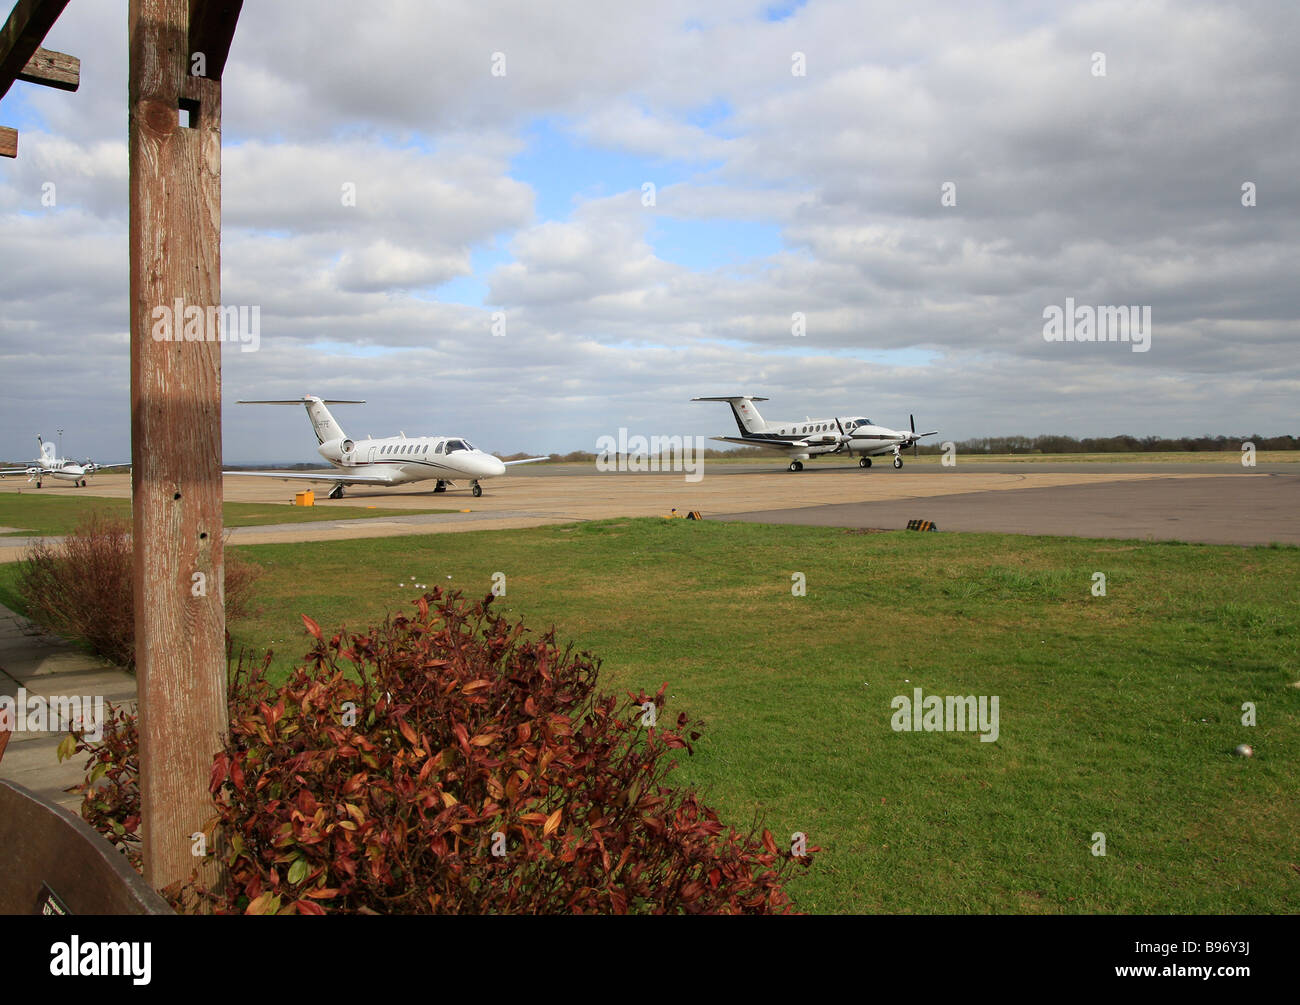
(177, 52)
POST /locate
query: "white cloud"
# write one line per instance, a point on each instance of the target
(1122, 189)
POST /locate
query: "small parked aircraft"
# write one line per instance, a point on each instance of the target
(49, 466)
(394, 460)
(817, 437)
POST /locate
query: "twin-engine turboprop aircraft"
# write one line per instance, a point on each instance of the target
(394, 460)
(817, 437)
(60, 468)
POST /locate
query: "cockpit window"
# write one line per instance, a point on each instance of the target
(454, 445)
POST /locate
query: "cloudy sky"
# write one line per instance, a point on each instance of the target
(650, 195)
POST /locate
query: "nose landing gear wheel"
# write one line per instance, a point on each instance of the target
(477, 489)
(898, 461)
(864, 462)
(441, 486)
(796, 465)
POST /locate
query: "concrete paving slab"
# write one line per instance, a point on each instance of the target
(47, 666)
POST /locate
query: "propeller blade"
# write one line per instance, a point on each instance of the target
(912, 419)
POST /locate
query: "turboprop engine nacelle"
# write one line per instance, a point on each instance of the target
(343, 450)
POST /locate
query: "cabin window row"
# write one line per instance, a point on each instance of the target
(825, 427)
(421, 447)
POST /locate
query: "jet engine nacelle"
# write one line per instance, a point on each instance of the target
(343, 450)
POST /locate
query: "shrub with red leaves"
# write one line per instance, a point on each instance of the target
(82, 587)
(111, 807)
(450, 763)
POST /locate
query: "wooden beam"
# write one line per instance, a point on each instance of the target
(212, 27)
(29, 22)
(175, 258)
(8, 142)
(53, 69)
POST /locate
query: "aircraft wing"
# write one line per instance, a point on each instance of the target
(526, 460)
(18, 471)
(336, 478)
(770, 444)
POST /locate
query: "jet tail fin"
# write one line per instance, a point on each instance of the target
(748, 419)
(322, 422)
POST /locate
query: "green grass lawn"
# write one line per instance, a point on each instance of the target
(32, 513)
(1118, 714)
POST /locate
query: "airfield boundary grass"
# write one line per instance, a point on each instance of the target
(33, 514)
(1118, 714)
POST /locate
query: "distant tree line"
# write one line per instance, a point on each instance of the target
(1056, 444)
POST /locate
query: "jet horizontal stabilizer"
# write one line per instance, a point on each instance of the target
(299, 401)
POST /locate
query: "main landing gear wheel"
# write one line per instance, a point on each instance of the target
(477, 489)
(898, 461)
(796, 465)
(336, 492)
(864, 462)
(441, 486)
(38, 484)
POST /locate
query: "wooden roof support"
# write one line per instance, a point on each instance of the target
(175, 259)
(22, 58)
(29, 22)
(212, 26)
(53, 69)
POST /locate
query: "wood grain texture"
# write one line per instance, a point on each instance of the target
(28, 23)
(53, 69)
(8, 142)
(175, 235)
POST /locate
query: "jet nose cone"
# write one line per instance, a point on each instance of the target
(487, 466)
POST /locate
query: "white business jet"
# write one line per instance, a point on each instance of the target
(60, 468)
(817, 437)
(394, 460)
